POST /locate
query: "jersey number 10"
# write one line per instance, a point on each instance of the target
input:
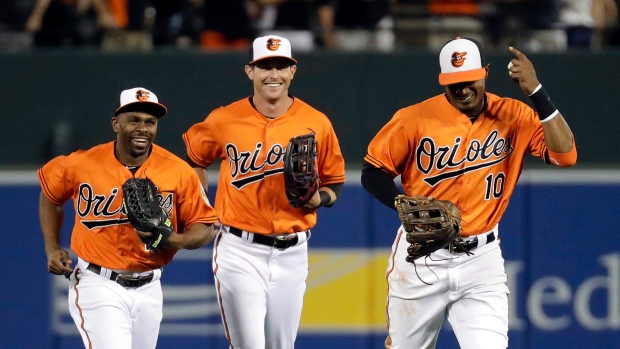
(495, 186)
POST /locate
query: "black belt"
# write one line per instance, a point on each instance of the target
(275, 242)
(123, 280)
(471, 244)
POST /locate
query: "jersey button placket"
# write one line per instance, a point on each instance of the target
(465, 178)
(465, 192)
(269, 134)
(121, 237)
(272, 206)
(269, 143)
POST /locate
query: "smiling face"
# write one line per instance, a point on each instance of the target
(135, 133)
(467, 97)
(271, 78)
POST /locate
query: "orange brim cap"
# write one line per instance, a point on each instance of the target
(463, 76)
(461, 60)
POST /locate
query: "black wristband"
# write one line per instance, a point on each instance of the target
(325, 198)
(543, 105)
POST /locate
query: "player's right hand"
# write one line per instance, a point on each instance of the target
(58, 262)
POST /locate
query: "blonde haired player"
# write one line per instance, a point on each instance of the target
(466, 146)
(260, 260)
(115, 296)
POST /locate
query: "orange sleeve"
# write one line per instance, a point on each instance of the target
(54, 182)
(563, 160)
(200, 143)
(388, 151)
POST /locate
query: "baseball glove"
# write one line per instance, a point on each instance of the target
(430, 224)
(144, 212)
(301, 178)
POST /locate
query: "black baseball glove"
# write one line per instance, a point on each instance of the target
(301, 178)
(144, 212)
(430, 224)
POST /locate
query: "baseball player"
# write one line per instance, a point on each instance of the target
(115, 296)
(260, 258)
(466, 146)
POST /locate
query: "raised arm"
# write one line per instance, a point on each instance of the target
(558, 136)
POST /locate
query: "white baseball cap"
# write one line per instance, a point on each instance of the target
(141, 99)
(461, 60)
(271, 46)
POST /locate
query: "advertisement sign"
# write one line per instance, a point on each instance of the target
(558, 237)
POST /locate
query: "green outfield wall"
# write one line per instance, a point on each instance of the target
(54, 102)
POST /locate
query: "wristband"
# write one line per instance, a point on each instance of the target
(543, 104)
(325, 198)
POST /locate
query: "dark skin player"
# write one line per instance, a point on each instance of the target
(468, 98)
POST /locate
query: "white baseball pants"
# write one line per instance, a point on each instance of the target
(260, 291)
(109, 316)
(470, 291)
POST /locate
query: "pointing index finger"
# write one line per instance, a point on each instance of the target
(517, 53)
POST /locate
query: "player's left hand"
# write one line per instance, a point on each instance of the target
(521, 70)
(147, 237)
(144, 235)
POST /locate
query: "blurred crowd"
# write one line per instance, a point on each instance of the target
(352, 25)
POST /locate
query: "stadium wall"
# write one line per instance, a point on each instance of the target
(558, 237)
(53, 102)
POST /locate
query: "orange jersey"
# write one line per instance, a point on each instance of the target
(102, 233)
(440, 153)
(250, 193)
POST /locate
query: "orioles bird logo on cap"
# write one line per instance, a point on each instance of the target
(142, 96)
(458, 59)
(273, 44)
